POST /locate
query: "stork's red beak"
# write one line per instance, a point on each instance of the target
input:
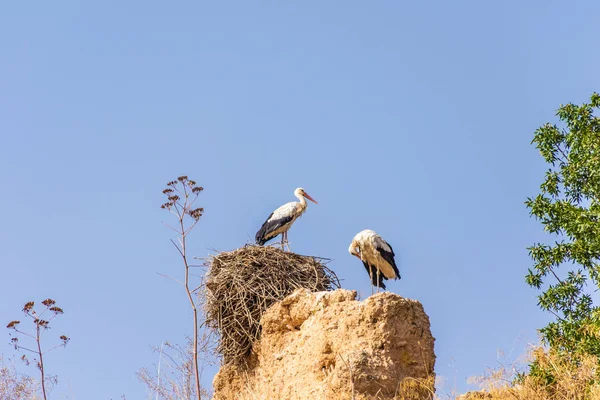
(310, 198)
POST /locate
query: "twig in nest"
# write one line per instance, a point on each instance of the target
(242, 284)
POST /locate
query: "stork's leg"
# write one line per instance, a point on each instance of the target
(284, 240)
(377, 277)
(371, 277)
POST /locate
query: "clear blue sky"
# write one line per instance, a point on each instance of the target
(410, 118)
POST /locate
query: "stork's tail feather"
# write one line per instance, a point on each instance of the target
(265, 233)
(380, 282)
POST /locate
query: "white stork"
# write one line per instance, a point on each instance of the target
(376, 255)
(281, 220)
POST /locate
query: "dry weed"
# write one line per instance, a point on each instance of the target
(572, 382)
(15, 386)
(174, 378)
(415, 389)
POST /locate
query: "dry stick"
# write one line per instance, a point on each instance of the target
(170, 277)
(158, 372)
(187, 289)
(245, 282)
(41, 359)
(181, 209)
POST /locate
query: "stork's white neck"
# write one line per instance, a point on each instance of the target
(302, 199)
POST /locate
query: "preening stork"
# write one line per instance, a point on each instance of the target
(377, 256)
(281, 220)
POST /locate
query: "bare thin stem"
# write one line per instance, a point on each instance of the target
(170, 227)
(183, 253)
(25, 333)
(180, 205)
(566, 158)
(178, 249)
(170, 277)
(25, 348)
(52, 348)
(158, 369)
(41, 325)
(41, 364)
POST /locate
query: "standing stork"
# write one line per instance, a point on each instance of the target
(377, 256)
(281, 220)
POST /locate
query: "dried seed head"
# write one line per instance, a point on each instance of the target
(167, 191)
(48, 302)
(41, 322)
(28, 306)
(197, 189)
(197, 213)
(57, 310)
(182, 178)
(174, 198)
(64, 339)
(13, 324)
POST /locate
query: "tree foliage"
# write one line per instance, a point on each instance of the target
(567, 271)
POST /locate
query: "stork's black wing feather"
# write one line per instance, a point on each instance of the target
(263, 234)
(389, 257)
(372, 271)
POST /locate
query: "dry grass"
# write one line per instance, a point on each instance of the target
(173, 378)
(415, 389)
(408, 389)
(243, 283)
(15, 386)
(572, 382)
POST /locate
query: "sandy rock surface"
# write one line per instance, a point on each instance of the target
(328, 345)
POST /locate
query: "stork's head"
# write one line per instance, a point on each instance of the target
(300, 192)
(354, 249)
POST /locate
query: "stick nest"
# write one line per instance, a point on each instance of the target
(243, 283)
